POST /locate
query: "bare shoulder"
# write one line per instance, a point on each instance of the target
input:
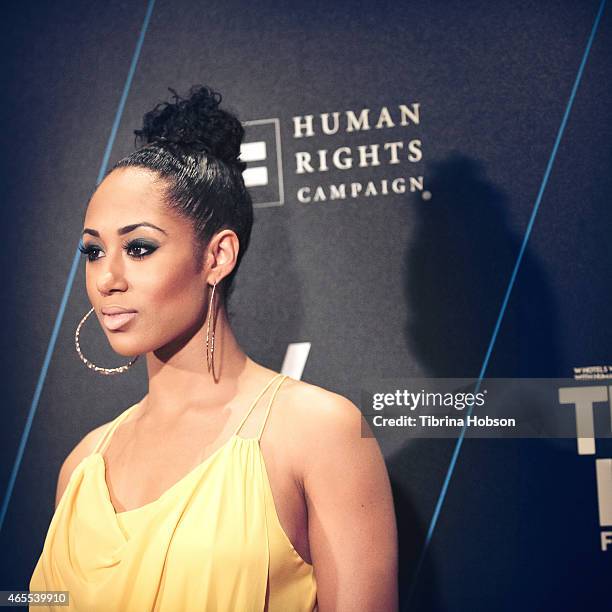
(314, 407)
(324, 424)
(84, 448)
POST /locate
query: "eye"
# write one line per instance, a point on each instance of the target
(134, 248)
(137, 245)
(88, 250)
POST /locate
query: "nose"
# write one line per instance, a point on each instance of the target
(112, 278)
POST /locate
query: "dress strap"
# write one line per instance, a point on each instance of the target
(263, 424)
(103, 441)
(250, 409)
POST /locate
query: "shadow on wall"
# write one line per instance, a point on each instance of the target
(459, 263)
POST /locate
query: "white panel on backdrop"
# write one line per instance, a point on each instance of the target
(603, 469)
(295, 359)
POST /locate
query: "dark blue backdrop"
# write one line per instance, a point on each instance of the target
(395, 285)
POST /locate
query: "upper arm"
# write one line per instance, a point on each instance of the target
(76, 455)
(352, 528)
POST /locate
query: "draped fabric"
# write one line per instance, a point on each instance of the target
(211, 542)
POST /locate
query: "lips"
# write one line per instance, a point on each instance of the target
(115, 317)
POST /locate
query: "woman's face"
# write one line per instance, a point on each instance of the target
(132, 265)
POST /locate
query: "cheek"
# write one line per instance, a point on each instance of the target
(171, 303)
(91, 287)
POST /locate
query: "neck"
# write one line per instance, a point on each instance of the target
(179, 379)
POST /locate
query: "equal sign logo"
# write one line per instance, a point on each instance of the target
(261, 150)
(254, 176)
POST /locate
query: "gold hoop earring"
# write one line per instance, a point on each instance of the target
(210, 338)
(91, 365)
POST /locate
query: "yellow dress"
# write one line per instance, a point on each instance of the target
(211, 543)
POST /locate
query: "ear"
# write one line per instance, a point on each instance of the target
(221, 255)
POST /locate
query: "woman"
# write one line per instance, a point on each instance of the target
(228, 486)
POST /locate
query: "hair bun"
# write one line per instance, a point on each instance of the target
(195, 124)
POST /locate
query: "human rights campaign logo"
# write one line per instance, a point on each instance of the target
(261, 150)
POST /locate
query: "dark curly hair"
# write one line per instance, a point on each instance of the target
(194, 146)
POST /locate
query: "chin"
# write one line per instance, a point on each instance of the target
(127, 348)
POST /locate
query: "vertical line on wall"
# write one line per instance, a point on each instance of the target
(517, 264)
(73, 269)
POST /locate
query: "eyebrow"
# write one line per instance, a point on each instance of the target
(126, 229)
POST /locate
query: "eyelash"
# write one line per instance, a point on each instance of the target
(134, 244)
